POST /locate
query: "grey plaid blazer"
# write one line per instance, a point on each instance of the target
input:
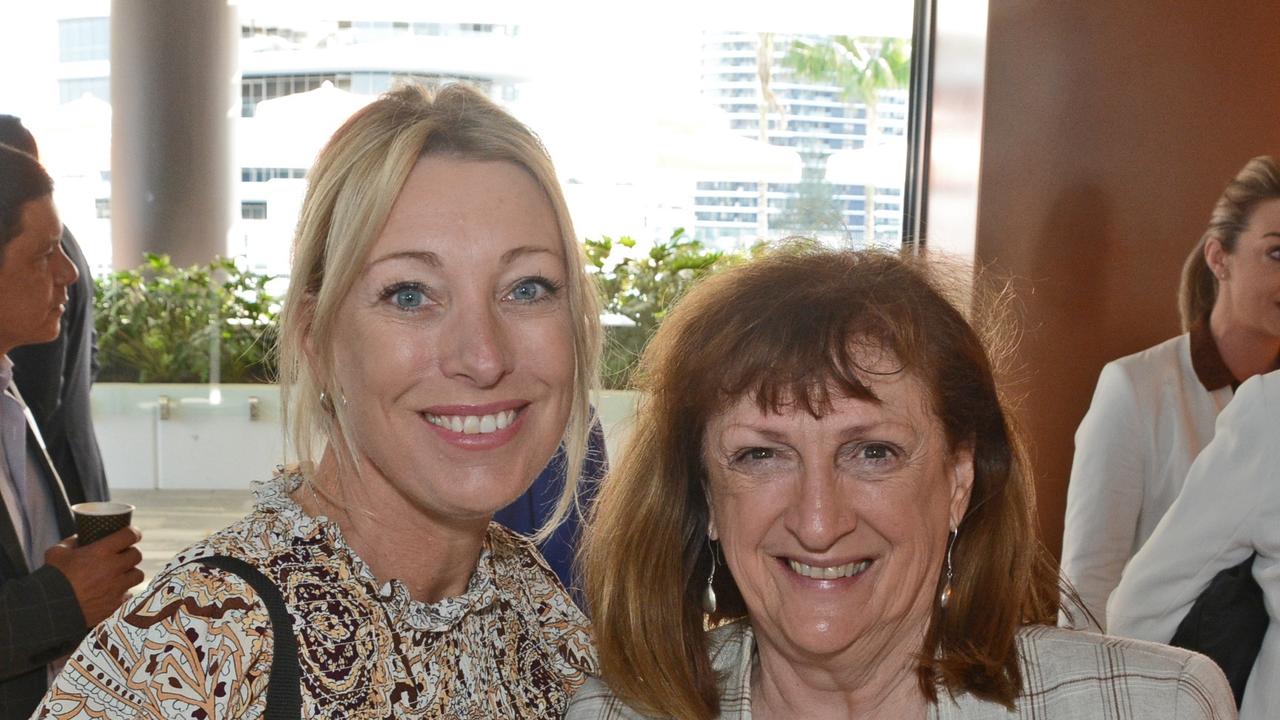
(40, 620)
(1068, 675)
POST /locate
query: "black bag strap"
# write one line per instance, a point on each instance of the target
(284, 686)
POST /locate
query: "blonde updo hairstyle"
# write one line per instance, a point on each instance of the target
(351, 190)
(1257, 182)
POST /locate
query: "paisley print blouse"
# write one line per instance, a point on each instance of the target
(197, 642)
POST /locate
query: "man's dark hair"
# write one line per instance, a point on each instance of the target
(14, 134)
(22, 179)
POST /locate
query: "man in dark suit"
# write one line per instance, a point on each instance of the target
(51, 590)
(55, 377)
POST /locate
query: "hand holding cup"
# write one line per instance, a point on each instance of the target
(96, 520)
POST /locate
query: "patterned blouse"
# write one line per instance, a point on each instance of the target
(1067, 675)
(197, 642)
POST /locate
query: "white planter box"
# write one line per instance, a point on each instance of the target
(209, 439)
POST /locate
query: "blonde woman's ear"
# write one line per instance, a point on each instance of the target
(1215, 256)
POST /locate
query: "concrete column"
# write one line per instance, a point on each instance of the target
(175, 100)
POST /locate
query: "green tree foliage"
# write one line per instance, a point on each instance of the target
(161, 323)
(643, 289)
(860, 67)
(812, 210)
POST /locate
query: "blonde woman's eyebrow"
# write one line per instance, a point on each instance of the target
(517, 252)
(425, 257)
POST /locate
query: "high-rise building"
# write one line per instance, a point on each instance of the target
(810, 117)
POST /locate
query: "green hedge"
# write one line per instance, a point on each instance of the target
(160, 323)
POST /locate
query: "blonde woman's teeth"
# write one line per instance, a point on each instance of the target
(473, 424)
(828, 573)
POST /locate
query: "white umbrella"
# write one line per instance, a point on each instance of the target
(690, 139)
(699, 142)
(75, 137)
(289, 131)
(881, 165)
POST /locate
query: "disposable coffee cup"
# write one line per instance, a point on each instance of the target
(96, 520)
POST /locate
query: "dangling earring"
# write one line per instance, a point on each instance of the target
(944, 597)
(709, 594)
(326, 401)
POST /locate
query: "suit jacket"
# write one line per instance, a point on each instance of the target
(1229, 508)
(1149, 418)
(54, 379)
(40, 619)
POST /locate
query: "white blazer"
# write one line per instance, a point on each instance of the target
(1149, 418)
(1229, 507)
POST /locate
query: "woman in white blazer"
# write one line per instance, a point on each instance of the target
(1229, 508)
(1152, 412)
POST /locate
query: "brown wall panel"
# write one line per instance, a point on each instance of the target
(1110, 129)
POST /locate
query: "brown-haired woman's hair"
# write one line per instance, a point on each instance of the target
(788, 329)
(351, 189)
(1256, 183)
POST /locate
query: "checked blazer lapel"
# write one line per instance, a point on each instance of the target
(61, 505)
(9, 543)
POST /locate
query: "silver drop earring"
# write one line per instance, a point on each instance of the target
(944, 597)
(709, 594)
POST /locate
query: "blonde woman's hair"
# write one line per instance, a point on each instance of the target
(352, 186)
(1257, 182)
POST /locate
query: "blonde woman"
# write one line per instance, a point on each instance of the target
(438, 344)
(1153, 411)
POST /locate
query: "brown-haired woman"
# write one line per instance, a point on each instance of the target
(1154, 411)
(822, 466)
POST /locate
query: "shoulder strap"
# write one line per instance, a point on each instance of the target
(284, 687)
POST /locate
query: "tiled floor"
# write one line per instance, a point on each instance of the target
(173, 519)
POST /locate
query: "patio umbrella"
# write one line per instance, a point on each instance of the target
(881, 165)
(698, 141)
(289, 131)
(75, 137)
(682, 139)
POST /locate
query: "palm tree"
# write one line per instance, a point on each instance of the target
(768, 104)
(860, 67)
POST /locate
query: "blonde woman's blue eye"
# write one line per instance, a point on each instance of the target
(409, 298)
(532, 290)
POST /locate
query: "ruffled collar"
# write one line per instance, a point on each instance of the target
(273, 496)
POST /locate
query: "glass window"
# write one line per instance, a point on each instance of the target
(76, 88)
(253, 210)
(82, 39)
